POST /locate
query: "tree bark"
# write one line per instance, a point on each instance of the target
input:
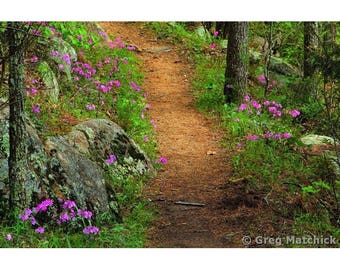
(237, 61)
(310, 45)
(17, 130)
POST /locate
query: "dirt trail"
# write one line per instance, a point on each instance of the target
(185, 137)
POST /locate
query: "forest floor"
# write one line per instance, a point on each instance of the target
(198, 166)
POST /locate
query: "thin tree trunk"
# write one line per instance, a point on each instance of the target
(237, 59)
(310, 45)
(17, 131)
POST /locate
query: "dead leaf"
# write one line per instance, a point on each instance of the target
(211, 152)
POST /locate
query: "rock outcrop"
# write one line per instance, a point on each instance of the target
(73, 166)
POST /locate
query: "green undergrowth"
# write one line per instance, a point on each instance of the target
(263, 134)
(104, 82)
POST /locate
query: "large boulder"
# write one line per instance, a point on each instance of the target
(73, 173)
(73, 166)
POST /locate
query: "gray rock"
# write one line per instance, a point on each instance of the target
(100, 138)
(78, 176)
(202, 32)
(323, 145)
(313, 139)
(277, 65)
(50, 80)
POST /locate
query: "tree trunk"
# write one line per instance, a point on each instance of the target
(310, 45)
(237, 59)
(329, 46)
(17, 131)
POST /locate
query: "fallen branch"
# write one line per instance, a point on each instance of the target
(189, 203)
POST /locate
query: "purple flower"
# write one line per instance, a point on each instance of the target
(34, 91)
(66, 58)
(252, 137)
(103, 88)
(69, 204)
(268, 135)
(294, 113)
(262, 79)
(9, 237)
(34, 59)
(35, 108)
(103, 34)
(277, 136)
(146, 138)
(36, 32)
(131, 48)
(215, 34)
(135, 87)
(213, 46)
(286, 135)
(278, 105)
(242, 107)
(85, 213)
(26, 215)
(162, 160)
(272, 109)
(266, 103)
(111, 159)
(153, 122)
(60, 67)
(64, 217)
(277, 114)
(33, 221)
(239, 145)
(91, 230)
(43, 205)
(246, 98)
(40, 230)
(256, 105)
(116, 83)
(90, 107)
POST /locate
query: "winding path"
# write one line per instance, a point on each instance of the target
(197, 168)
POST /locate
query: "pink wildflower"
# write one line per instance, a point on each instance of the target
(40, 230)
(262, 79)
(91, 230)
(294, 113)
(111, 159)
